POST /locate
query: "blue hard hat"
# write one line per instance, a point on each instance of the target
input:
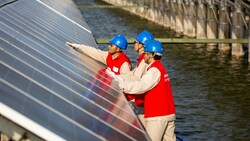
(144, 36)
(153, 46)
(119, 41)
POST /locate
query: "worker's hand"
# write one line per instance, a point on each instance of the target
(69, 44)
(118, 79)
(110, 73)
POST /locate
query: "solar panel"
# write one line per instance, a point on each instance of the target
(53, 91)
(5, 2)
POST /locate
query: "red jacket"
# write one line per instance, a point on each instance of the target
(115, 64)
(139, 99)
(140, 59)
(159, 101)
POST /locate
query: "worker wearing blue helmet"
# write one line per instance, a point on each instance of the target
(159, 108)
(114, 58)
(143, 37)
(120, 41)
(139, 70)
(139, 43)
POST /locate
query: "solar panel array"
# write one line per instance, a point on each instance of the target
(5, 2)
(42, 81)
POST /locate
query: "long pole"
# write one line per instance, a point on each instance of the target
(111, 6)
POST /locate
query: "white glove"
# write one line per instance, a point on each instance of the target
(69, 44)
(118, 79)
(110, 73)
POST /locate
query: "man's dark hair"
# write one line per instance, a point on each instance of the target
(156, 57)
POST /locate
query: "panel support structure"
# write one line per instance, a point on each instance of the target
(224, 26)
(179, 17)
(201, 21)
(211, 23)
(237, 33)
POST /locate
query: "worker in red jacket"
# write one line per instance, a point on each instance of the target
(114, 58)
(137, 72)
(139, 44)
(159, 105)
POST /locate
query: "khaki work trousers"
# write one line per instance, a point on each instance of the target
(160, 130)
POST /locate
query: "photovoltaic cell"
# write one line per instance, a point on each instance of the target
(4, 2)
(64, 92)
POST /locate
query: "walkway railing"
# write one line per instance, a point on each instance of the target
(182, 41)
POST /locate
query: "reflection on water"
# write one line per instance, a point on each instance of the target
(211, 90)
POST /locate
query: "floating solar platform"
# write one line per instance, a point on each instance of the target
(49, 91)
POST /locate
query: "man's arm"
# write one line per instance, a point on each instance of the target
(146, 83)
(93, 52)
(125, 68)
(137, 73)
(140, 70)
